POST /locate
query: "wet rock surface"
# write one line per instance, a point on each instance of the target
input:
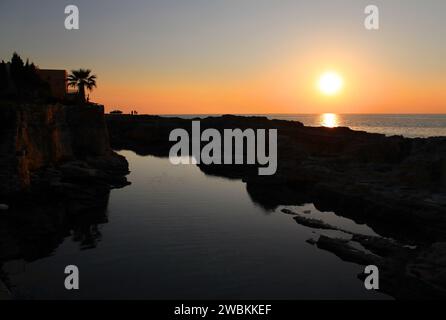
(42, 145)
(309, 222)
(394, 185)
(405, 272)
(57, 170)
(369, 178)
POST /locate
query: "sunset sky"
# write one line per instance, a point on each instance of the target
(241, 56)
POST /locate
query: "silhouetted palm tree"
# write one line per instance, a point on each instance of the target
(82, 79)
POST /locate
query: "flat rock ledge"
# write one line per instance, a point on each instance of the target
(5, 294)
(406, 271)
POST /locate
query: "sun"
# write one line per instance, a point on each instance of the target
(330, 83)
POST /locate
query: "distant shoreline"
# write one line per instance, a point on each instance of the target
(289, 114)
(406, 125)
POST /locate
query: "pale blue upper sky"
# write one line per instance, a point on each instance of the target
(202, 39)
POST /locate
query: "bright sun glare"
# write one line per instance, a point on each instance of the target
(329, 120)
(330, 83)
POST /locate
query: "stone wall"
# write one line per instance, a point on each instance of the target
(37, 136)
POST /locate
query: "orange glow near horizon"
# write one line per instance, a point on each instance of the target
(218, 57)
(283, 87)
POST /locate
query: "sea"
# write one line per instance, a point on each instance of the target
(407, 125)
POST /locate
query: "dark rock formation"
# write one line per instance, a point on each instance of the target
(396, 185)
(345, 251)
(309, 222)
(39, 144)
(56, 171)
(56, 164)
(393, 184)
(405, 272)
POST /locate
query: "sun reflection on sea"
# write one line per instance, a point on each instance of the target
(329, 120)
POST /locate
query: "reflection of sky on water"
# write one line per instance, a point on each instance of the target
(176, 233)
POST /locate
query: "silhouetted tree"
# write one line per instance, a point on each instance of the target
(16, 73)
(3, 78)
(22, 81)
(82, 79)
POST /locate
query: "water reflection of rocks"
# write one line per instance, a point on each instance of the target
(395, 186)
(35, 230)
(410, 267)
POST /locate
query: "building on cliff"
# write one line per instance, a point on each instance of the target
(26, 81)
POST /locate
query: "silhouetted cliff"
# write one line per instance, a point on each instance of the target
(35, 138)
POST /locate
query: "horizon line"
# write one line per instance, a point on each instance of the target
(281, 114)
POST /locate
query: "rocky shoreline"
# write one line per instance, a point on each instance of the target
(58, 167)
(395, 185)
(370, 178)
(38, 140)
(57, 170)
(406, 271)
